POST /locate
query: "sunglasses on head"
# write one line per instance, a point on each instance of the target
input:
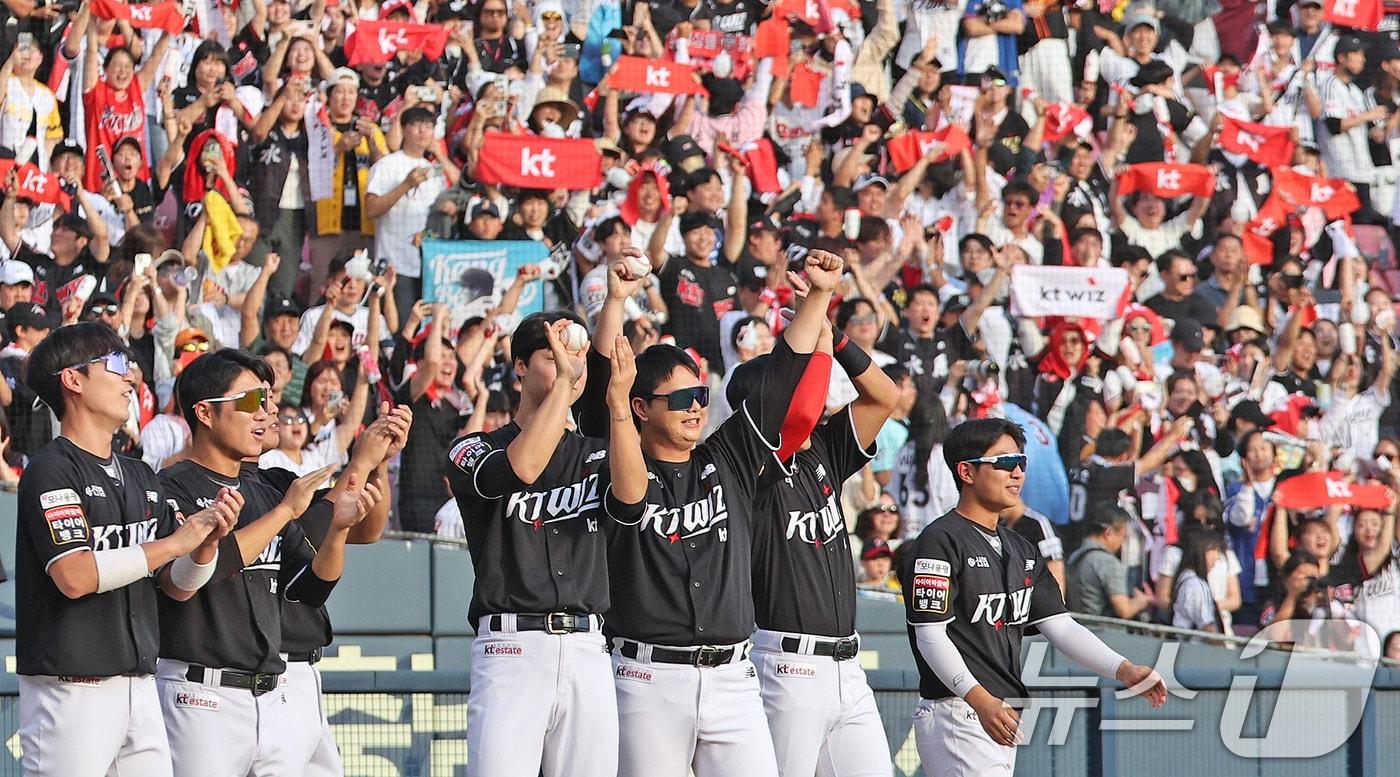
(549, 15)
(1007, 462)
(116, 363)
(250, 401)
(682, 399)
(196, 345)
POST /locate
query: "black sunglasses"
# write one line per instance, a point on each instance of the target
(104, 310)
(1007, 462)
(682, 399)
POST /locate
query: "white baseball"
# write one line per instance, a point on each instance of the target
(640, 266)
(575, 337)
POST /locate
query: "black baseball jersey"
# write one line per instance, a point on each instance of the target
(954, 572)
(683, 554)
(803, 578)
(72, 501)
(305, 627)
(1095, 484)
(537, 548)
(235, 620)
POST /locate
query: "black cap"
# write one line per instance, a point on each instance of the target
(994, 73)
(764, 224)
(1188, 334)
(698, 220)
(484, 208)
(281, 306)
(874, 548)
(957, 303)
(1249, 410)
(31, 315)
(1154, 72)
(1347, 44)
(67, 146)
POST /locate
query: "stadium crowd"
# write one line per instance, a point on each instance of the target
(246, 174)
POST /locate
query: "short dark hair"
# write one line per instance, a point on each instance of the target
(739, 325)
(896, 372)
(1248, 438)
(67, 346)
(75, 224)
(655, 365)
(1021, 187)
(212, 374)
(971, 439)
(605, 228)
(842, 197)
(872, 228)
(1164, 262)
(848, 308)
(529, 335)
(1107, 516)
(925, 288)
(1177, 377)
(1112, 443)
(1082, 232)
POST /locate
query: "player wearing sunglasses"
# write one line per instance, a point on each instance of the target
(220, 665)
(679, 541)
(971, 587)
(94, 529)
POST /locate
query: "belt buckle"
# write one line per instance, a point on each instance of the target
(549, 623)
(706, 656)
(845, 649)
(264, 683)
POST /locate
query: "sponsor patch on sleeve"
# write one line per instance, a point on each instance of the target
(67, 524)
(932, 566)
(466, 454)
(930, 594)
(58, 498)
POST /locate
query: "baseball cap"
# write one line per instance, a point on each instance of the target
(1188, 335)
(1314, 3)
(692, 221)
(344, 74)
(67, 146)
(281, 306)
(31, 315)
(484, 208)
(875, 548)
(1139, 19)
(764, 224)
(871, 179)
(14, 272)
(1349, 43)
(1249, 410)
(1154, 72)
(169, 255)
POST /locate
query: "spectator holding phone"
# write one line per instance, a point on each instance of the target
(339, 223)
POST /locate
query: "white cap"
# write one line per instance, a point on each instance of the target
(15, 272)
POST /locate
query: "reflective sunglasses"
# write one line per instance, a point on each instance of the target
(549, 15)
(860, 320)
(116, 363)
(886, 508)
(293, 420)
(104, 310)
(1007, 462)
(250, 401)
(681, 399)
(197, 345)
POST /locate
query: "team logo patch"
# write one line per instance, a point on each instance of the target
(789, 669)
(507, 649)
(197, 701)
(468, 453)
(978, 561)
(67, 524)
(633, 673)
(932, 566)
(153, 496)
(95, 491)
(931, 594)
(58, 498)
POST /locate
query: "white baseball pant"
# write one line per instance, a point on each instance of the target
(951, 742)
(311, 747)
(91, 727)
(540, 703)
(223, 732)
(676, 718)
(821, 712)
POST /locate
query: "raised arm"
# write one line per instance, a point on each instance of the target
(529, 453)
(250, 312)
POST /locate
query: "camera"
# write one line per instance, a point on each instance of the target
(983, 369)
(994, 10)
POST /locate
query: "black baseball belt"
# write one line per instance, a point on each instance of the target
(310, 657)
(259, 684)
(706, 656)
(843, 649)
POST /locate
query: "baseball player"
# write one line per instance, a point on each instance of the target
(219, 669)
(531, 496)
(306, 630)
(92, 528)
(971, 587)
(821, 712)
(682, 551)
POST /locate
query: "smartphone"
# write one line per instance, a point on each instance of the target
(25, 41)
(570, 51)
(105, 171)
(141, 264)
(334, 399)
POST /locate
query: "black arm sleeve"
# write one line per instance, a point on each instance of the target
(781, 375)
(299, 580)
(591, 409)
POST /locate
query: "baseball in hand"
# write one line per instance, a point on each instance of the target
(639, 266)
(575, 337)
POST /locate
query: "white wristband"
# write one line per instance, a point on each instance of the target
(189, 576)
(120, 567)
